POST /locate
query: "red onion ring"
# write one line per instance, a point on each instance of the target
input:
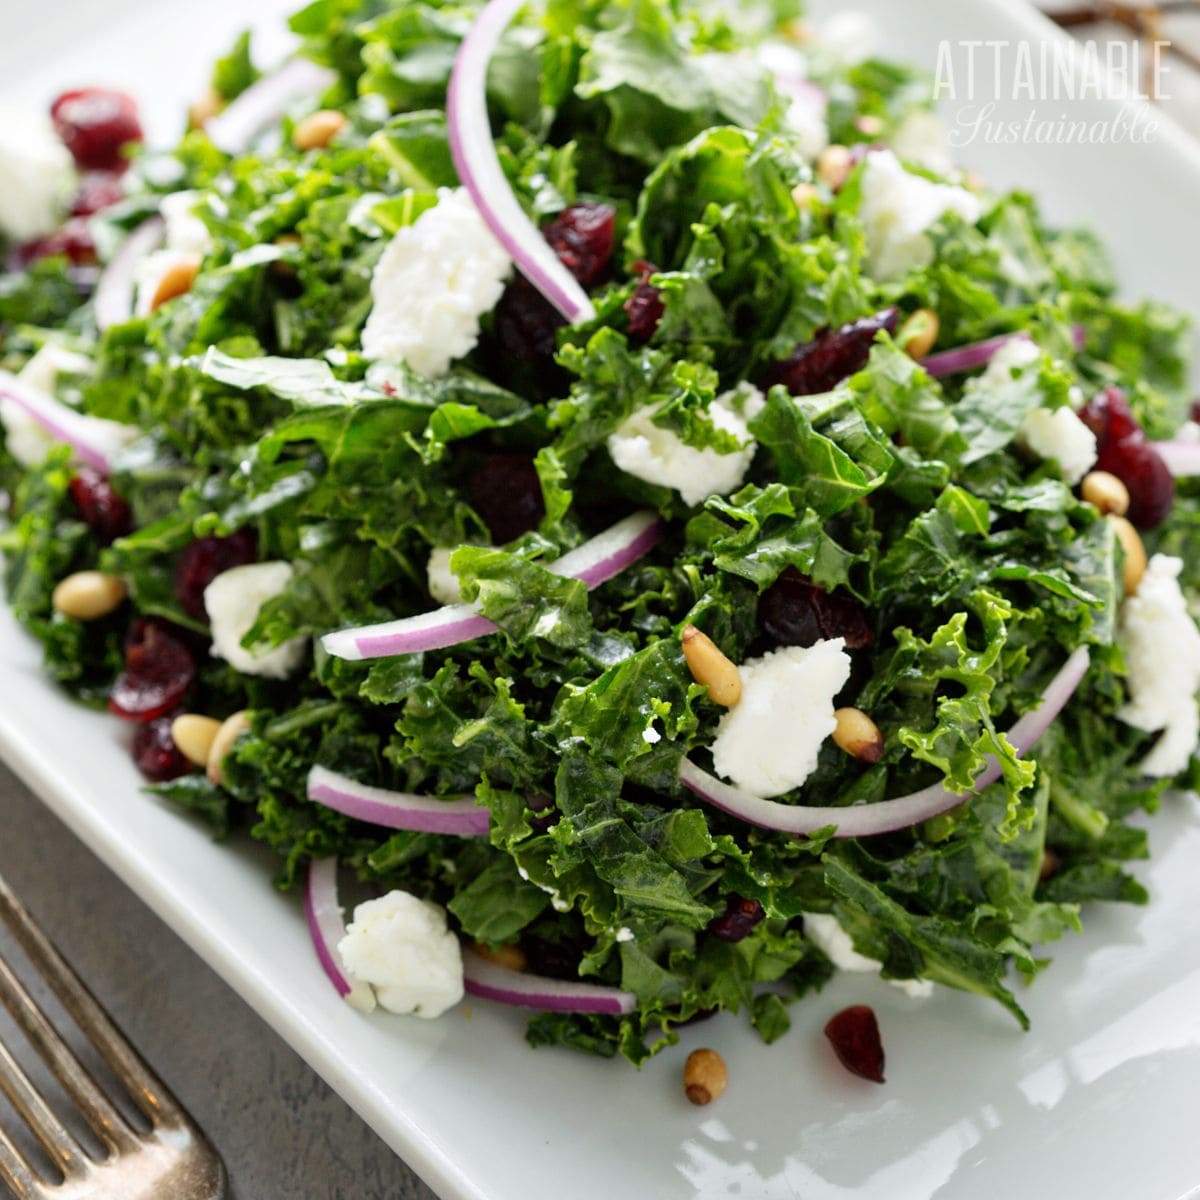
(396, 810)
(978, 354)
(323, 914)
(490, 981)
(867, 820)
(479, 169)
(114, 297)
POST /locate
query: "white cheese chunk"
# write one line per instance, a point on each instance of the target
(26, 440)
(434, 281)
(1058, 434)
(232, 602)
(1016, 353)
(649, 452)
(896, 209)
(1162, 656)
(769, 741)
(826, 933)
(921, 138)
(443, 583)
(37, 172)
(400, 945)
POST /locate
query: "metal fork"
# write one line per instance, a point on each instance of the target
(173, 1159)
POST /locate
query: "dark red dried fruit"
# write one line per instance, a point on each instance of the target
(159, 669)
(558, 959)
(527, 323)
(1194, 411)
(74, 241)
(854, 1033)
(155, 753)
(547, 810)
(832, 355)
(1123, 451)
(94, 124)
(794, 611)
(582, 237)
(98, 190)
(507, 494)
(645, 306)
(103, 511)
(205, 559)
(738, 919)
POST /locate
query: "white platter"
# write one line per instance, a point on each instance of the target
(1097, 1102)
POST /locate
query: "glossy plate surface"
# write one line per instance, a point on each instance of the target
(1097, 1101)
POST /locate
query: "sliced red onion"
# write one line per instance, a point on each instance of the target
(1182, 458)
(866, 820)
(479, 168)
(978, 354)
(595, 562)
(95, 440)
(115, 289)
(324, 916)
(396, 810)
(265, 102)
(490, 981)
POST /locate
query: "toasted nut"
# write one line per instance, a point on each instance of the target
(974, 182)
(194, 735)
(1134, 566)
(176, 280)
(869, 125)
(834, 165)
(230, 729)
(918, 334)
(1106, 492)
(318, 129)
(201, 111)
(1050, 864)
(512, 957)
(858, 735)
(704, 1076)
(804, 194)
(711, 668)
(88, 595)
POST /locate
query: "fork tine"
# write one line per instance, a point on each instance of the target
(56, 1139)
(146, 1089)
(101, 1115)
(15, 1172)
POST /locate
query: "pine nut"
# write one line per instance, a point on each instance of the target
(705, 1076)
(869, 125)
(834, 165)
(88, 595)
(1105, 492)
(510, 956)
(858, 735)
(176, 280)
(202, 110)
(194, 735)
(919, 333)
(230, 729)
(1049, 866)
(711, 668)
(318, 129)
(1134, 566)
(804, 194)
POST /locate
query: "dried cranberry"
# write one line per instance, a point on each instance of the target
(97, 190)
(645, 306)
(159, 669)
(1123, 451)
(94, 124)
(794, 611)
(155, 753)
(738, 919)
(582, 237)
(854, 1033)
(556, 960)
(527, 323)
(832, 355)
(1194, 411)
(205, 559)
(507, 494)
(103, 511)
(73, 241)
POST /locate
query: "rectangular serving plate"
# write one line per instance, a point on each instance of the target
(1097, 1100)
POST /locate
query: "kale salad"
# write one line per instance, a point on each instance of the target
(599, 474)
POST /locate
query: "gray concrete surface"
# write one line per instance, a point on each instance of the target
(283, 1134)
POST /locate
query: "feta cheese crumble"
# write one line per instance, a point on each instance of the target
(648, 452)
(436, 278)
(1016, 353)
(921, 138)
(400, 946)
(442, 582)
(769, 742)
(897, 208)
(1060, 435)
(26, 440)
(1161, 645)
(232, 602)
(38, 174)
(826, 933)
